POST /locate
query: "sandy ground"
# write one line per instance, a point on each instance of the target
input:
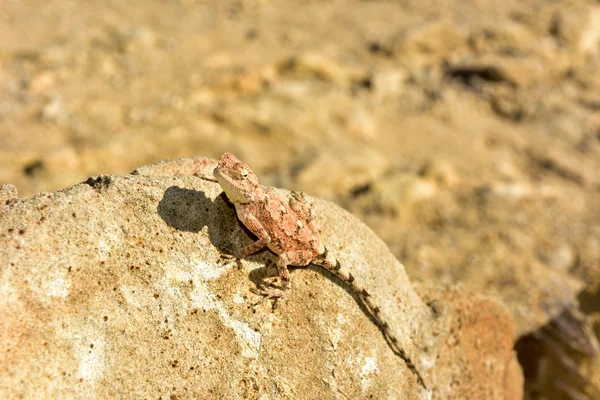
(466, 134)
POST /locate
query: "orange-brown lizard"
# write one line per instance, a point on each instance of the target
(288, 229)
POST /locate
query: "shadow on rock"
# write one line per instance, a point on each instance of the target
(328, 275)
(190, 211)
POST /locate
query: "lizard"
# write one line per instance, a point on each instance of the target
(289, 230)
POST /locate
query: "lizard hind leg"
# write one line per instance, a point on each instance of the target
(296, 258)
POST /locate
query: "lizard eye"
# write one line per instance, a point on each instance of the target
(244, 173)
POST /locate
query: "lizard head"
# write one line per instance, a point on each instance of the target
(236, 178)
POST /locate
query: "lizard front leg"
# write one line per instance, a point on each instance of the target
(261, 233)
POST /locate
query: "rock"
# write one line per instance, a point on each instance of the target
(519, 72)
(198, 166)
(436, 38)
(578, 28)
(252, 81)
(55, 110)
(504, 37)
(140, 39)
(63, 160)
(508, 105)
(512, 190)
(561, 257)
(494, 371)
(388, 84)
(499, 256)
(111, 283)
(362, 125)
(589, 41)
(43, 82)
(395, 195)
(7, 192)
(348, 170)
(442, 173)
(315, 66)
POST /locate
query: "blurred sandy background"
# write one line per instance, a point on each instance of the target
(466, 134)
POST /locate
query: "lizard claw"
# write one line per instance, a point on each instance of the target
(271, 292)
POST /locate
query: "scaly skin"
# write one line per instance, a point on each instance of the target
(288, 229)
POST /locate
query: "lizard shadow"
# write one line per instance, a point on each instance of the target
(357, 299)
(191, 210)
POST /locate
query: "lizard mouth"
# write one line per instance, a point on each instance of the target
(218, 175)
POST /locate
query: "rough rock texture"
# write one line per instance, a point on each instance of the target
(117, 288)
(7, 192)
(466, 134)
(479, 335)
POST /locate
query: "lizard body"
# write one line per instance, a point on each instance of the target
(289, 230)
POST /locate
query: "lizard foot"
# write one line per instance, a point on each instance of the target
(270, 290)
(227, 257)
(269, 293)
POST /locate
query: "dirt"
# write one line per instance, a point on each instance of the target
(466, 134)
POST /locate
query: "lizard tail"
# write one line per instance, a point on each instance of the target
(334, 267)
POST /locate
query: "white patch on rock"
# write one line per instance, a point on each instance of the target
(53, 283)
(109, 240)
(182, 276)
(202, 297)
(238, 299)
(88, 347)
(369, 367)
(58, 287)
(250, 339)
(426, 361)
(335, 334)
(208, 271)
(91, 361)
(8, 294)
(136, 295)
(103, 250)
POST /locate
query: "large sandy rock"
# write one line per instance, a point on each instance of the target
(476, 360)
(118, 288)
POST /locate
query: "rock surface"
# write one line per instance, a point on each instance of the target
(476, 359)
(465, 134)
(117, 287)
